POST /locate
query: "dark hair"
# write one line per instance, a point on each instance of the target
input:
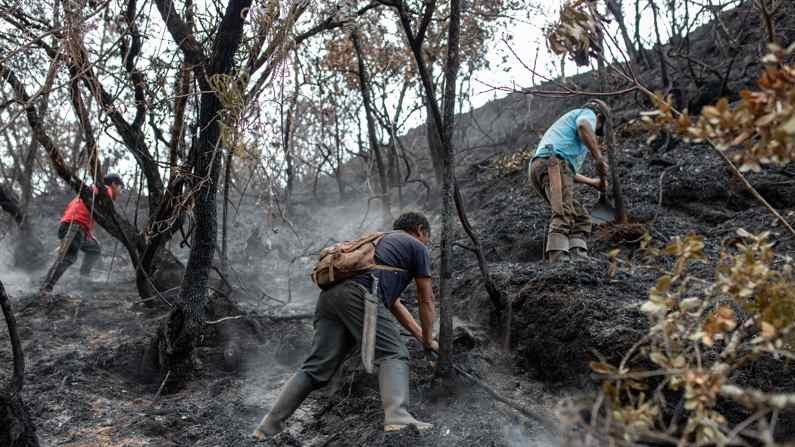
(409, 221)
(112, 179)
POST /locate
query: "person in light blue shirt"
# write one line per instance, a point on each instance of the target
(555, 168)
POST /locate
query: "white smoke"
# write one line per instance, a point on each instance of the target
(16, 282)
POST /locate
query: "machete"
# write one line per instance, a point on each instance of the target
(368, 326)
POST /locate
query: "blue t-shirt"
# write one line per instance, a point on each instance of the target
(563, 140)
(401, 250)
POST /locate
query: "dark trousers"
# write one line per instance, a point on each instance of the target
(338, 329)
(73, 239)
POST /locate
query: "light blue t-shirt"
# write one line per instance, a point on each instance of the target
(564, 140)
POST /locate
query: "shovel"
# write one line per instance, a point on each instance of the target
(603, 211)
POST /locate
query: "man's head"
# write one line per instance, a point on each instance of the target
(415, 224)
(602, 111)
(115, 184)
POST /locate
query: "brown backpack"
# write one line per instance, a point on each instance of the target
(347, 259)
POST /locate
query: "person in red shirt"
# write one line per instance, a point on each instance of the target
(75, 233)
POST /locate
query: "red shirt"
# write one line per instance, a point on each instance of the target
(76, 211)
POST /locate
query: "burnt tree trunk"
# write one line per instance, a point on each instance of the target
(615, 176)
(643, 58)
(225, 228)
(10, 204)
(445, 367)
(616, 8)
(660, 51)
(177, 336)
(435, 146)
(288, 159)
(338, 160)
(16, 426)
(415, 43)
(364, 87)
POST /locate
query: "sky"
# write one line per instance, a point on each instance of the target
(528, 38)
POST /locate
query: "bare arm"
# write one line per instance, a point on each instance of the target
(405, 319)
(423, 333)
(588, 137)
(590, 181)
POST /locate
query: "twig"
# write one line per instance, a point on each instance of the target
(660, 194)
(752, 190)
(543, 420)
(303, 316)
(162, 385)
(465, 247)
(158, 296)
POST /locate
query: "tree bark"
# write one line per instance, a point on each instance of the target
(618, 196)
(435, 146)
(617, 9)
(10, 204)
(642, 56)
(16, 425)
(177, 336)
(415, 43)
(448, 189)
(660, 54)
(225, 228)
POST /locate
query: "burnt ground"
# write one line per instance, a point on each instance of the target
(83, 388)
(83, 346)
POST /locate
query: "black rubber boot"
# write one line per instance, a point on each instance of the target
(294, 392)
(393, 380)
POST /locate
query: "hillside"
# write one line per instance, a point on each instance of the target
(83, 347)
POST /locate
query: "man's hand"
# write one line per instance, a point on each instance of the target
(432, 346)
(602, 167)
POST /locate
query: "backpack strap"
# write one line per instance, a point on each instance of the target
(387, 268)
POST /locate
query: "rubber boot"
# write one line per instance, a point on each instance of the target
(294, 392)
(393, 381)
(557, 256)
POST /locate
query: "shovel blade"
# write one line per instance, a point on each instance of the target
(603, 211)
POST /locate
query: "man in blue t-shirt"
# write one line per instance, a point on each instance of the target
(555, 168)
(338, 328)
